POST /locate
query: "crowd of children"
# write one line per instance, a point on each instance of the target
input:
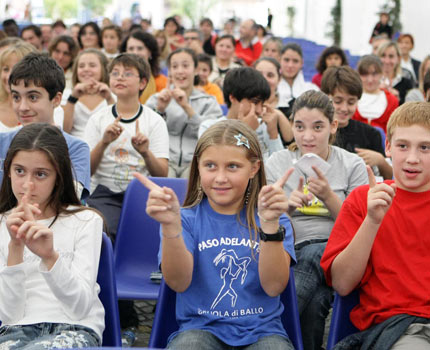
(235, 116)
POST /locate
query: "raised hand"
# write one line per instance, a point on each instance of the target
(319, 185)
(113, 131)
(379, 198)
(250, 118)
(272, 201)
(164, 98)
(139, 141)
(104, 91)
(297, 198)
(270, 118)
(163, 204)
(180, 97)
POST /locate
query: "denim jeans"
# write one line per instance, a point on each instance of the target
(196, 339)
(43, 336)
(314, 297)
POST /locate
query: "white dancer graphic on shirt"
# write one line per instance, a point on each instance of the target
(233, 267)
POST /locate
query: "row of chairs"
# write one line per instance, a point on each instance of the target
(130, 265)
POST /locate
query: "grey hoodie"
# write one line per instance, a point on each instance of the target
(183, 131)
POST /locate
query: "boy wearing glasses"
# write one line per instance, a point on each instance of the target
(123, 138)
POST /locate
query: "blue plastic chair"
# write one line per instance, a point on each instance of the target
(138, 240)
(165, 316)
(108, 297)
(382, 132)
(224, 109)
(341, 325)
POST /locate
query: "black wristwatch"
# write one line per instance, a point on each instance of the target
(272, 237)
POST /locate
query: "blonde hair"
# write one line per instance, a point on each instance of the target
(385, 46)
(20, 49)
(165, 50)
(422, 73)
(103, 63)
(408, 114)
(223, 133)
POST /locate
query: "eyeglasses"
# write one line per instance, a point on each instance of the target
(125, 75)
(187, 38)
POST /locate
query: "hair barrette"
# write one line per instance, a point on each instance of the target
(241, 140)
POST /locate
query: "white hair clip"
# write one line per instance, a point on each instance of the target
(241, 140)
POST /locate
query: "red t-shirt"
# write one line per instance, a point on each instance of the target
(392, 104)
(397, 276)
(249, 54)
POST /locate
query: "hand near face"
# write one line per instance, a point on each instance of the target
(249, 118)
(180, 97)
(139, 141)
(113, 131)
(270, 117)
(104, 91)
(272, 201)
(379, 198)
(371, 158)
(164, 98)
(163, 204)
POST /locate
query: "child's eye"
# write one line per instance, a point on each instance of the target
(15, 98)
(32, 98)
(19, 171)
(401, 146)
(41, 174)
(425, 147)
(233, 166)
(318, 127)
(298, 127)
(210, 165)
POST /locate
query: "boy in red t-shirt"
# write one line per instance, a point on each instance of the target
(380, 243)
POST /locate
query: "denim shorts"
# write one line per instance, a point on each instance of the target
(43, 336)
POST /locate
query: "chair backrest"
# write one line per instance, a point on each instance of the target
(341, 325)
(138, 240)
(382, 132)
(108, 297)
(165, 316)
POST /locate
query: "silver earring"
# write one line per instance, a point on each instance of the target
(248, 193)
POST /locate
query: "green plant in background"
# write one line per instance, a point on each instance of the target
(69, 8)
(291, 14)
(335, 25)
(193, 9)
(392, 7)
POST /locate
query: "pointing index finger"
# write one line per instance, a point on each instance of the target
(372, 179)
(281, 182)
(118, 119)
(146, 182)
(137, 126)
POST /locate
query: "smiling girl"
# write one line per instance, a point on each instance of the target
(314, 202)
(184, 108)
(227, 201)
(90, 91)
(49, 248)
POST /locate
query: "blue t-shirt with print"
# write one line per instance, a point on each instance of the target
(79, 152)
(225, 296)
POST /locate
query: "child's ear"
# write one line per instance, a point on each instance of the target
(56, 100)
(142, 84)
(387, 148)
(254, 168)
(333, 126)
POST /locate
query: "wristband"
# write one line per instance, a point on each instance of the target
(264, 220)
(72, 99)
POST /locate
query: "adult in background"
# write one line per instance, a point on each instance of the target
(33, 35)
(193, 39)
(224, 59)
(209, 37)
(397, 80)
(406, 45)
(89, 36)
(248, 47)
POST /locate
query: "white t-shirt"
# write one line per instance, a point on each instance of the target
(81, 115)
(68, 293)
(120, 159)
(372, 106)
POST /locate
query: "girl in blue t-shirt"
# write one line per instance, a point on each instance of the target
(227, 253)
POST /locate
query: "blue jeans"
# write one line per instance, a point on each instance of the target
(43, 336)
(196, 339)
(314, 297)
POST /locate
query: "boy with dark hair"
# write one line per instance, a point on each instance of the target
(33, 35)
(379, 243)
(37, 83)
(204, 69)
(245, 92)
(343, 85)
(124, 137)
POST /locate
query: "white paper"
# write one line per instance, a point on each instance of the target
(305, 163)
